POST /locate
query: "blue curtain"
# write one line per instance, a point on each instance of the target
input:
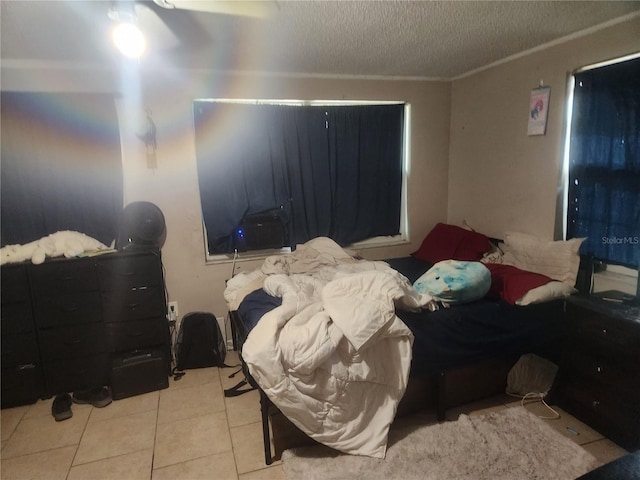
(327, 171)
(604, 168)
(61, 166)
(241, 173)
(366, 147)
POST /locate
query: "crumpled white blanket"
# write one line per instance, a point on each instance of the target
(319, 256)
(68, 243)
(334, 357)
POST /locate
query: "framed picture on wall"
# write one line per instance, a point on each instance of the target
(538, 110)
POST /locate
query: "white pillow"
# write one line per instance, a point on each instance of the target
(558, 260)
(546, 292)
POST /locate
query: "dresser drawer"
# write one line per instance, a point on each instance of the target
(15, 284)
(16, 318)
(21, 385)
(135, 304)
(603, 370)
(608, 405)
(614, 415)
(72, 342)
(68, 309)
(19, 349)
(604, 334)
(61, 277)
(71, 375)
(137, 334)
(128, 272)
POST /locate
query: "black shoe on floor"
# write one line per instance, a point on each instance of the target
(61, 407)
(98, 397)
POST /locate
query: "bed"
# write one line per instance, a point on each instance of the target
(457, 353)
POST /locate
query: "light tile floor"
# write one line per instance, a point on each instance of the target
(188, 431)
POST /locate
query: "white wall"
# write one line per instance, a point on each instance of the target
(499, 178)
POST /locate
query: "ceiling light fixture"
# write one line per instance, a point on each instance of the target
(125, 34)
(128, 38)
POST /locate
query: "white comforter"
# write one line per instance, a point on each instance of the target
(334, 357)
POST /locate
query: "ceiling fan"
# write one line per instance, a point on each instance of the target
(173, 23)
(258, 8)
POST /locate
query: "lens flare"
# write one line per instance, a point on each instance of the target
(128, 38)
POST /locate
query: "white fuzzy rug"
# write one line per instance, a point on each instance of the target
(512, 444)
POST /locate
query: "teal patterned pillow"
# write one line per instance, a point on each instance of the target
(453, 281)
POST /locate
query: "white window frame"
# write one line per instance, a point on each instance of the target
(621, 277)
(374, 242)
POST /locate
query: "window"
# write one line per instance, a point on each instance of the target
(324, 169)
(603, 202)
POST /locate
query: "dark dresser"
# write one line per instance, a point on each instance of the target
(85, 313)
(22, 380)
(599, 379)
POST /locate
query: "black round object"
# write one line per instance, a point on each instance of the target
(141, 225)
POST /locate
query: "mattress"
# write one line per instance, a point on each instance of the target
(460, 335)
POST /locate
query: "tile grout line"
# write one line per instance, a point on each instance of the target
(84, 430)
(16, 427)
(155, 436)
(226, 416)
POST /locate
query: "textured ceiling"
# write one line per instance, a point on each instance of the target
(429, 39)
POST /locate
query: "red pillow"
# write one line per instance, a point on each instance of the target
(446, 242)
(511, 284)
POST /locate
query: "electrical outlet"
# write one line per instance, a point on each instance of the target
(173, 306)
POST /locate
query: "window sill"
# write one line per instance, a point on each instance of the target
(616, 278)
(245, 256)
(378, 242)
(257, 255)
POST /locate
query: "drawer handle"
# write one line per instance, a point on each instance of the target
(77, 341)
(132, 306)
(599, 369)
(70, 309)
(69, 278)
(136, 334)
(595, 404)
(604, 331)
(28, 366)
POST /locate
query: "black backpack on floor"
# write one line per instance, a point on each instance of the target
(200, 342)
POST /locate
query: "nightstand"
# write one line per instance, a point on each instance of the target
(599, 378)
